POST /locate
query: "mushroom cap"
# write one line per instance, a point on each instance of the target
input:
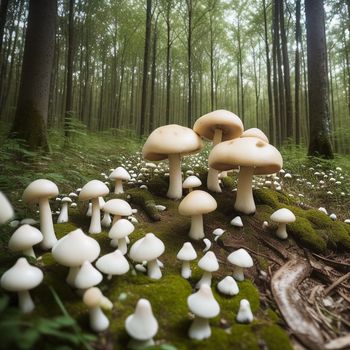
(209, 262)
(147, 248)
(240, 258)
(203, 303)
(117, 207)
(142, 325)
(283, 216)
(113, 263)
(187, 252)
(6, 210)
(93, 189)
(122, 228)
(92, 297)
(24, 237)
(74, 248)
(171, 139)
(228, 122)
(248, 152)
(255, 132)
(21, 276)
(66, 200)
(196, 203)
(191, 181)
(119, 173)
(38, 189)
(87, 276)
(228, 286)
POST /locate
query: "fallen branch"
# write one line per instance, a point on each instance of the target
(338, 343)
(337, 264)
(336, 283)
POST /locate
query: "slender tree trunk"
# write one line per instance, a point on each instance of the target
(297, 71)
(3, 15)
(32, 108)
(211, 36)
(189, 62)
(168, 62)
(153, 78)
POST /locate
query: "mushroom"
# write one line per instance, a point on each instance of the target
(204, 306)
(92, 191)
(228, 286)
(88, 276)
(63, 217)
(148, 248)
(244, 314)
(220, 125)
(95, 300)
(118, 175)
(253, 156)
(195, 204)
(118, 208)
(21, 278)
(39, 191)
(113, 264)
(119, 233)
(191, 182)
(283, 217)
(23, 239)
(73, 249)
(142, 326)
(172, 142)
(236, 221)
(6, 210)
(186, 254)
(255, 132)
(240, 259)
(208, 263)
(106, 220)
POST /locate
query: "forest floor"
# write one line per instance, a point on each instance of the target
(297, 289)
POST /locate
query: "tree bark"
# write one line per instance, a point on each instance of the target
(297, 71)
(189, 62)
(3, 14)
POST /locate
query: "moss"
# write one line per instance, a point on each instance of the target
(266, 196)
(272, 315)
(338, 236)
(228, 182)
(275, 338)
(158, 185)
(62, 229)
(318, 218)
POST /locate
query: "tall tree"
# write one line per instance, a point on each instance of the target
(297, 71)
(3, 14)
(319, 144)
(32, 106)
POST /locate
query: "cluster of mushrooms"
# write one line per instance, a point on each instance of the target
(233, 148)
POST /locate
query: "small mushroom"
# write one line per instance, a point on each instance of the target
(88, 276)
(204, 306)
(63, 217)
(244, 314)
(191, 182)
(6, 210)
(21, 278)
(240, 259)
(142, 326)
(186, 254)
(113, 264)
(119, 175)
(195, 204)
(95, 301)
(40, 191)
(282, 217)
(118, 208)
(228, 286)
(255, 132)
(119, 233)
(24, 238)
(208, 263)
(237, 222)
(148, 248)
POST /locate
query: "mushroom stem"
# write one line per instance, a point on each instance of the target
(282, 231)
(175, 177)
(118, 186)
(196, 230)
(237, 273)
(98, 320)
(72, 274)
(244, 198)
(106, 221)
(122, 246)
(213, 174)
(63, 217)
(95, 223)
(25, 302)
(29, 252)
(206, 279)
(46, 224)
(186, 269)
(200, 328)
(153, 269)
(116, 218)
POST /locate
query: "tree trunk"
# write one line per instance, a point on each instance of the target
(32, 108)
(3, 14)
(297, 71)
(319, 144)
(189, 63)
(168, 62)
(153, 78)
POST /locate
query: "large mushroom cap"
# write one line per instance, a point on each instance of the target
(255, 132)
(119, 173)
(283, 216)
(6, 210)
(203, 303)
(74, 248)
(117, 207)
(171, 139)
(93, 189)
(38, 189)
(113, 263)
(209, 262)
(147, 248)
(228, 122)
(240, 258)
(21, 276)
(196, 203)
(142, 325)
(25, 237)
(248, 152)
(187, 252)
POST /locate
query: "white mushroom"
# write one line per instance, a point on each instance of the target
(282, 217)
(63, 217)
(6, 211)
(240, 259)
(237, 222)
(218, 232)
(20, 278)
(113, 264)
(208, 263)
(118, 208)
(88, 276)
(186, 254)
(119, 232)
(228, 286)
(119, 175)
(245, 314)
(207, 243)
(191, 182)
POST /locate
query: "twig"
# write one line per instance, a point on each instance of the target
(336, 283)
(340, 265)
